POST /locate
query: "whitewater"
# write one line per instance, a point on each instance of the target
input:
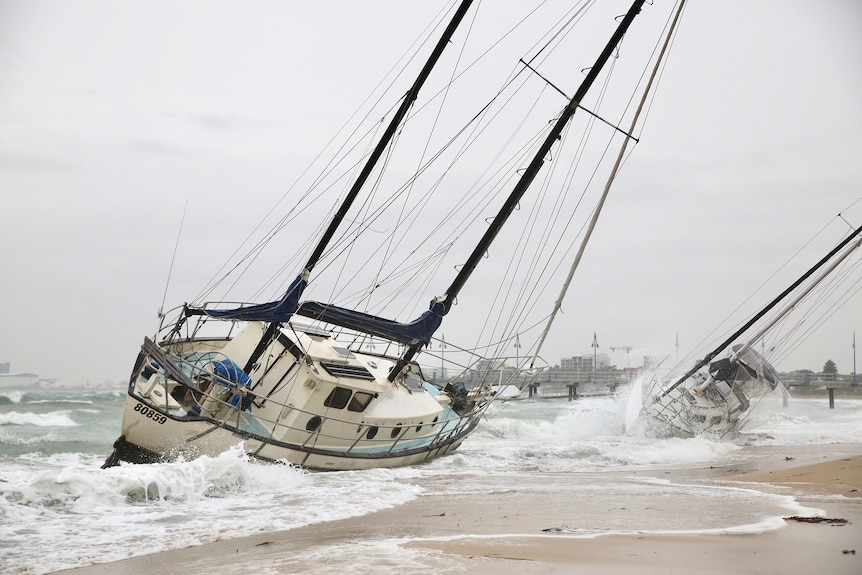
(60, 510)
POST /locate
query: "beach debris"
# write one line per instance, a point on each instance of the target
(498, 556)
(563, 529)
(827, 520)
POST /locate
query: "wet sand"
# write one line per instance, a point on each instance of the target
(507, 534)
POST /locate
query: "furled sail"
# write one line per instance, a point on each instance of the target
(274, 311)
(416, 333)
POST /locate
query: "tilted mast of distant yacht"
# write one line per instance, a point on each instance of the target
(710, 356)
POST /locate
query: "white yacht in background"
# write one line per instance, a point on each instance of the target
(715, 398)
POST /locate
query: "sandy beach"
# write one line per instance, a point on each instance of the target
(509, 535)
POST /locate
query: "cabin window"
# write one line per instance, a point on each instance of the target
(419, 427)
(338, 398)
(360, 401)
(395, 431)
(372, 431)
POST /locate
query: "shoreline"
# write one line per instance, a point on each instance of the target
(509, 536)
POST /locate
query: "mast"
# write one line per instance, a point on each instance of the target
(559, 303)
(710, 356)
(526, 178)
(409, 98)
(789, 307)
(290, 301)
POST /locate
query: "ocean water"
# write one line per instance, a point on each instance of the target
(59, 509)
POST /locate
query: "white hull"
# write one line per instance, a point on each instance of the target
(683, 413)
(715, 406)
(173, 439)
(332, 409)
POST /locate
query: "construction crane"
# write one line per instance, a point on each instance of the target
(627, 349)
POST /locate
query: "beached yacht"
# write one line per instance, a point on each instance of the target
(715, 398)
(298, 381)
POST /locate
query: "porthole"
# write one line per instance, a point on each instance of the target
(419, 427)
(395, 431)
(434, 421)
(372, 431)
(313, 423)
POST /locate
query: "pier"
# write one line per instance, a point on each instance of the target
(554, 384)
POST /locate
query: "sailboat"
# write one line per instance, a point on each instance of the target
(715, 398)
(301, 382)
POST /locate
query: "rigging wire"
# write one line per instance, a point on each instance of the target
(407, 57)
(173, 259)
(481, 194)
(610, 178)
(725, 327)
(470, 66)
(421, 159)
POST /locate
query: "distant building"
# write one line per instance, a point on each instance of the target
(490, 365)
(584, 362)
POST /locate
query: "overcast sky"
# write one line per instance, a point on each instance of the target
(114, 114)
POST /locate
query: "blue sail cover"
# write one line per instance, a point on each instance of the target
(280, 311)
(415, 333)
